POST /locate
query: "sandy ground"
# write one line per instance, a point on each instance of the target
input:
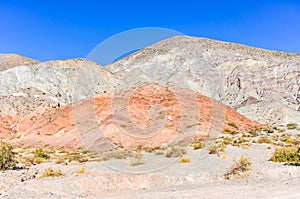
(203, 177)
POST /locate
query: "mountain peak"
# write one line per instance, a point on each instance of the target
(8, 61)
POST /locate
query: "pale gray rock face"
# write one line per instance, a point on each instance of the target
(261, 84)
(26, 101)
(68, 80)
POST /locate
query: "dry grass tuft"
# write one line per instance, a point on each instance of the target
(239, 168)
(184, 160)
(217, 148)
(50, 172)
(137, 159)
(81, 170)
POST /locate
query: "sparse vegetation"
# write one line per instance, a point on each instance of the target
(118, 155)
(175, 151)
(198, 145)
(269, 129)
(226, 130)
(184, 160)
(234, 132)
(232, 124)
(253, 132)
(240, 168)
(50, 172)
(80, 170)
(286, 154)
(72, 157)
(264, 139)
(292, 126)
(6, 156)
(152, 149)
(288, 140)
(217, 148)
(39, 152)
(137, 159)
(192, 125)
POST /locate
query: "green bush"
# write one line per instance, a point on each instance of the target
(286, 154)
(288, 140)
(292, 126)
(41, 153)
(6, 156)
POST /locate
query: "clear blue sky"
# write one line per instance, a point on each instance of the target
(44, 29)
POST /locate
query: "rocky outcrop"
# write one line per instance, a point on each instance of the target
(67, 80)
(232, 73)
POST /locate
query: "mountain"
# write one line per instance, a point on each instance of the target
(64, 81)
(72, 126)
(11, 60)
(261, 84)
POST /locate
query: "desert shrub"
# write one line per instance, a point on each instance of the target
(198, 145)
(159, 152)
(151, 149)
(80, 170)
(269, 129)
(6, 156)
(226, 130)
(73, 157)
(192, 125)
(286, 154)
(184, 160)
(234, 132)
(240, 168)
(105, 156)
(232, 124)
(49, 172)
(118, 155)
(39, 152)
(253, 132)
(264, 139)
(288, 140)
(137, 159)
(235, 142)
(27, 161)
(227, 140)
(239, 142)
(217, 148)
(37, 160)
(281, 130)
(244, 146)
(175, 151)
(292, 126)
